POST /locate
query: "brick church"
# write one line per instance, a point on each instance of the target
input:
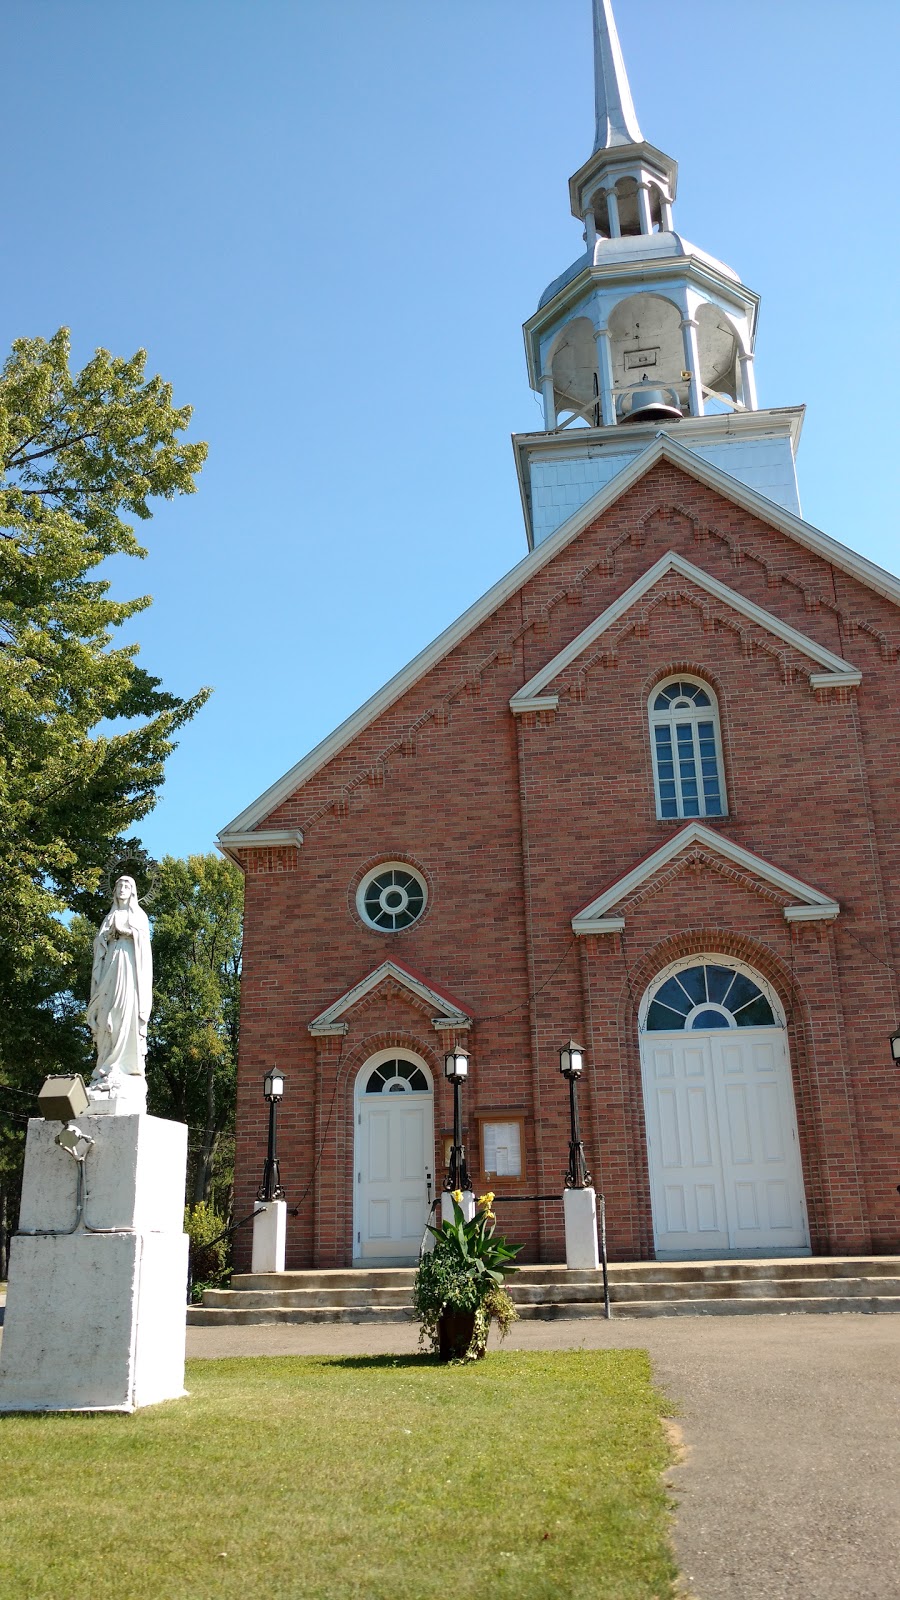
(642, 794)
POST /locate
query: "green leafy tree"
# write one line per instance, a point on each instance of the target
(196, 913)
(84, 730)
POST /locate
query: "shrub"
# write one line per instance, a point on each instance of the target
(209, 1255)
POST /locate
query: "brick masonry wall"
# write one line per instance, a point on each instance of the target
(517, 823)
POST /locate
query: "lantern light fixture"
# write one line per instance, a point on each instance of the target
(273, 1085)
(895, 1046)
(571, 1060)
(456, 1065)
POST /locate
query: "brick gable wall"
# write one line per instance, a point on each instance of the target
(517, 822)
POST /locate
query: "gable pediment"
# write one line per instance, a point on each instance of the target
(444, 1013)
(826, 670)
(663, 449)
(801, 902)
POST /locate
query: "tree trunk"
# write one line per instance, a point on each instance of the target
(203, 1174)
(4, 1236)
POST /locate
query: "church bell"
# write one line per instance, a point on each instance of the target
(646, 403)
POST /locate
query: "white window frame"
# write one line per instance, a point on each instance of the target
(376, 872)
(695, 715)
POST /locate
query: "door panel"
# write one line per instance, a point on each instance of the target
(725, 1169)
(682, 1134)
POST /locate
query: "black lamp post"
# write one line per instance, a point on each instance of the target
(895, 1047)
(571, 1065)
(270, 1188)
(456, 1070)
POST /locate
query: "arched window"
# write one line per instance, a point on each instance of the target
(687, 750)
(708, 994)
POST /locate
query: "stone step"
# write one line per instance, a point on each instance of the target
(310, 1298)
(563, 1292)
(260, 1316)
(791, 1267)
(780, 1305)
(642, 1288)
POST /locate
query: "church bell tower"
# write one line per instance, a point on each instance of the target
(643, 332)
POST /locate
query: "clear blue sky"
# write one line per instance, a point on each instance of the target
(326, 220)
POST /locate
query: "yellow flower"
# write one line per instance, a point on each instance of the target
(457, 1195)
(486, 1200)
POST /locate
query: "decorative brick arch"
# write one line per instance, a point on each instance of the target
(337, 1066)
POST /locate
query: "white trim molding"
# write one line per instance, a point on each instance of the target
(837, 673)
(813, 905)
(230, 842)
(663, 448)
(448, 1014)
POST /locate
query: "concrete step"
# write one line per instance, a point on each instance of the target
(310, 1298)
(233, 1316)
(574, 1310)
(719, 1289)
(779, 1306)
(642, 1288)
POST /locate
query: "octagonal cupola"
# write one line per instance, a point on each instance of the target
(643, 326)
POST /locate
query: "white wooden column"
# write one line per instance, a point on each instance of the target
(748, 382)
(665, 220)
(605, 376)
(612, 205)
(643, 200)
(692, 363)
(590, 231)
(549, 403)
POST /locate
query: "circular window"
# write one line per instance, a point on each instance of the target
(391, 896)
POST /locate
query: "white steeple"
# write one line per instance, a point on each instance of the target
(617, 121)
(644, 330)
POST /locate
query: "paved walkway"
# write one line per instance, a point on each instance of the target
(790, 1486)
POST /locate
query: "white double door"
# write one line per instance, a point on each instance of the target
(394, 1162)
(725, 1170)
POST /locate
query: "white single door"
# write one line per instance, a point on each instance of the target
(394, 1149)
(725, 1172)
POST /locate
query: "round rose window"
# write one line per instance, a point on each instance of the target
(391, 897)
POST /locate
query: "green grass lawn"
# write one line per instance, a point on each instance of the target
(527, 1475)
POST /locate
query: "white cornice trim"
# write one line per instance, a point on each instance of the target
(447, 1015)
(838, 672)
(813, 904)
(231, 842)
(662, 448)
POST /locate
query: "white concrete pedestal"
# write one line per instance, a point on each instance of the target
(582, 1251)
(95, 1308)
(269, 1236)
(467, 1205)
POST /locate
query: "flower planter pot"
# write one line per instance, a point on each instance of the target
(455, 1330)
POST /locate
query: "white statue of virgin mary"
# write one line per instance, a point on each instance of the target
(121, 996)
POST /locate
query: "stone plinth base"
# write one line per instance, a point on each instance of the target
(582, 1252)
(95, 1309)
(269, 1236)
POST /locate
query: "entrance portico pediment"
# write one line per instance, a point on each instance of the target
(390, 978)
(696, 843)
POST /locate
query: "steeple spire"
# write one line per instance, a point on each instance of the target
(617, 122)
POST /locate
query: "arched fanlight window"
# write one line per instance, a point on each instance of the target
(397, 1077)
(710, 994)
(687, 750)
